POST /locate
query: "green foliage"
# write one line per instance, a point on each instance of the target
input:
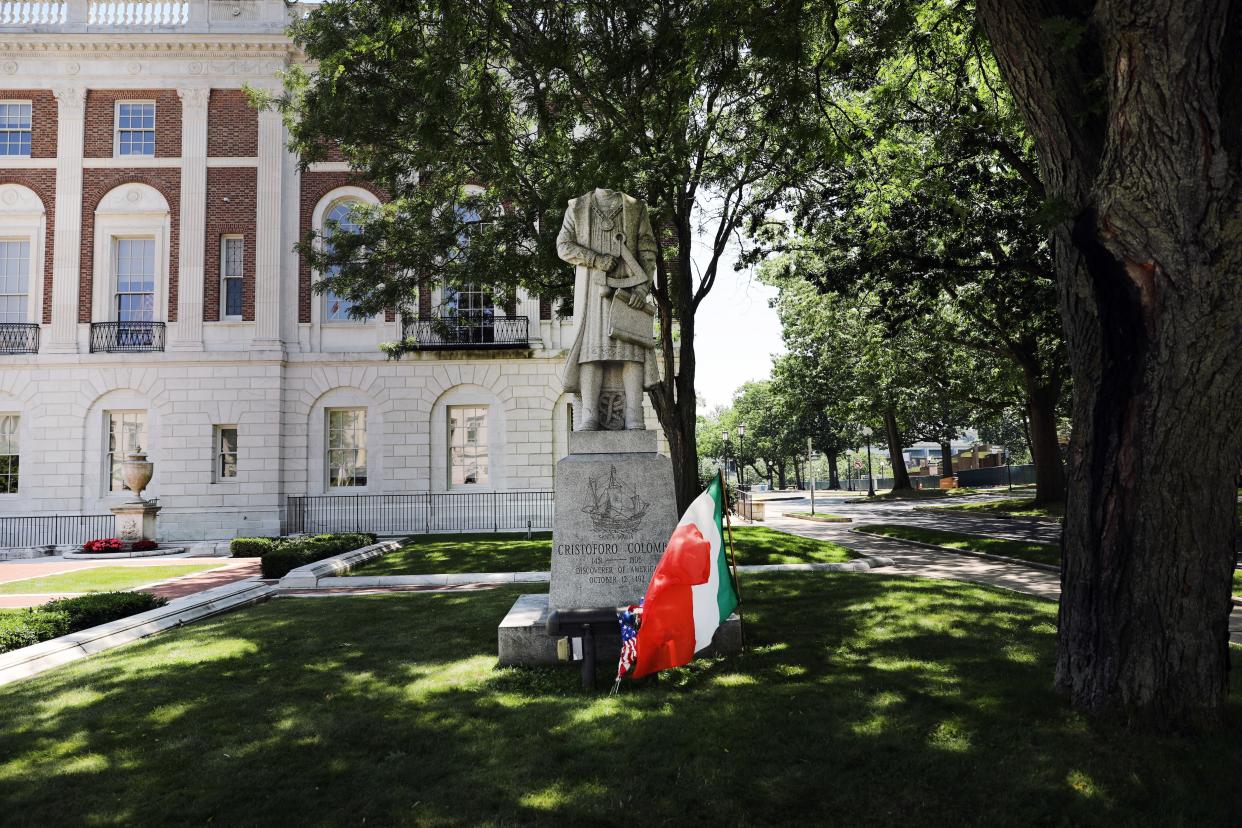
(85, 611)
(694, 108)
(293, 552)
(22, 628)
(251, 547)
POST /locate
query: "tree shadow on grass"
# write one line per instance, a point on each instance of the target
(861, 700)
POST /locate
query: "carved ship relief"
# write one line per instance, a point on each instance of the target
(614, 512)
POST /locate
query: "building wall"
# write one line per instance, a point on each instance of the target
(220, 167)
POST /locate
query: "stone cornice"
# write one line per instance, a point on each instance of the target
(100, 44)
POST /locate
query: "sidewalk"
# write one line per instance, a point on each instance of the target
(927, 563)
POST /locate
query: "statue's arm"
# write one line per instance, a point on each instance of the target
(645, 250)
(569, 250)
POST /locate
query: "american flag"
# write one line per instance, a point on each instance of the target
(630, 621)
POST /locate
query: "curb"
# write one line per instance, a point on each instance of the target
(988, 555)
(37, 658)
(815, 519)
(309, 575)
(161, 552)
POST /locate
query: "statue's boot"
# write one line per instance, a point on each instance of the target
(590, 424)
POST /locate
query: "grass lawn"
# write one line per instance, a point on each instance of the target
(1024, 550)
(862, 700)
(1014, 507)
(101, 579)
(822, 517)
(1237, 582)
(430, 554)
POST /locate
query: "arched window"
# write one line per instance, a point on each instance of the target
(339, 219)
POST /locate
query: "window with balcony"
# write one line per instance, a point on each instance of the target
(15, 128)
(135, 280)
(468, 445)
(135, 128)
(347, 448)
(14, 280)
(232, 262)
(127, 431)
(10, 458)
(338, 220)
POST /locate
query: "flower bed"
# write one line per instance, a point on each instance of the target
(103, 545)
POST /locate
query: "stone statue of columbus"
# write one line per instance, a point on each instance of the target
(607, 236)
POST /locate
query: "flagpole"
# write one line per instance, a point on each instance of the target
(732, 558)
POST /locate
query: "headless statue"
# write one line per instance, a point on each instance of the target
(607, 236)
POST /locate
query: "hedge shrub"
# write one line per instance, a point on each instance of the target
(70, 615)
(251, 547)
(291, 553)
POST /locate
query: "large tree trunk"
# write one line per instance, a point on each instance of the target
(901, 478)
(946, 459)
(1139, 133)
(780, 474)
(674, 399)
(1041, 410)
(834, 473)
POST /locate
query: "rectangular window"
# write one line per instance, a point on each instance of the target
(14, 280)
(9, 457)
(347, 448)
(15, 128)
(467, 442)
(127, 431)
(232, 252)
(135, 128)
(135, 280)
(226, 452)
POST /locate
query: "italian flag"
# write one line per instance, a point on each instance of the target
(691, 591)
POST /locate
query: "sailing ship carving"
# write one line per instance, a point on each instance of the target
(615, 511)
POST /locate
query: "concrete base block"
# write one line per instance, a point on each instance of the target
(523, 640)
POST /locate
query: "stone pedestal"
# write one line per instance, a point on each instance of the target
(135, 521)
(615, 511)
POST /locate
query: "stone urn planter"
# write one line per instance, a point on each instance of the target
(136, 471)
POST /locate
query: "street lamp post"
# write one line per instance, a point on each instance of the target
(724, 439)
(867, 432)
(741, 448)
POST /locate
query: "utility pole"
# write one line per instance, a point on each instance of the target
(810, 468)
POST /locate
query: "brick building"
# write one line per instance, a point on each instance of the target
(150, 294)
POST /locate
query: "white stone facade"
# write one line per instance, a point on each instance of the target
(273, 376)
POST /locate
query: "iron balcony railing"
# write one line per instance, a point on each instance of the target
(457, 331)
(126, 337)
(19, 338)
(399, 514)
(54, 530)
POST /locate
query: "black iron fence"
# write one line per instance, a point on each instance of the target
(54, 530)
(482, 330)
(126, 337)
(19, 338)
(397, 514)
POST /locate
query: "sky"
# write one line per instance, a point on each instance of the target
(737, 333)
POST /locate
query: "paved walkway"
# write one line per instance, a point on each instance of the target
(928, 563)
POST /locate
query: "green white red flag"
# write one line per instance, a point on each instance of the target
(691, 591)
